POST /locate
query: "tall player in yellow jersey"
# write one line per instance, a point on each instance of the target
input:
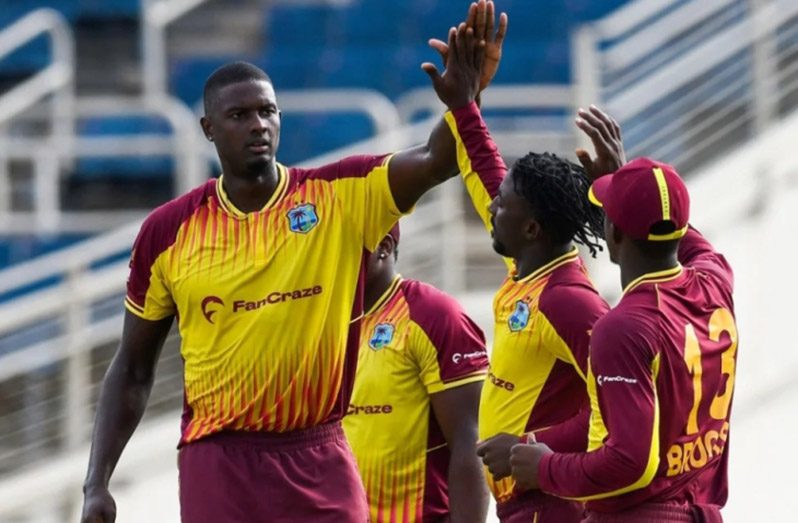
(264, 270)
(412, 422)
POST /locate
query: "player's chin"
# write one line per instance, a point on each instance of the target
(259, 162)
(499, 247)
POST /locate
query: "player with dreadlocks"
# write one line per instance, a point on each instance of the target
(544, 313)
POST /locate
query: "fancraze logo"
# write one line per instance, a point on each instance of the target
(602, 380)
(276, 297)
(209, 307)
(458, 357)
(369, 409)
(502, 384)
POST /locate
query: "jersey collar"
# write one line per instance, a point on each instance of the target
(549, 267)
(654, 277)
(389, 293)
(279, 192)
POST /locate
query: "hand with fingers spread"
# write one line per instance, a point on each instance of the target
(459, 84)
(605, 133)
(482, 18)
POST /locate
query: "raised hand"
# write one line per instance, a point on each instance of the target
(459, 84)
(482, 17)
(605, 133)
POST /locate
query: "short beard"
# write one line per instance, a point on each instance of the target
(258, 166)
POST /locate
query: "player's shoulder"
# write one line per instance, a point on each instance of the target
(626, 326)
(426, 301)
(167, 218)
(358, 166)
(570, 291)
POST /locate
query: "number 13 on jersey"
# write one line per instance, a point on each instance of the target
(695, 453)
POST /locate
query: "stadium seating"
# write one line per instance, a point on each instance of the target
(364, 44)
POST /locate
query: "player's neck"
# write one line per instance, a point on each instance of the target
(376, 287)
(536, 256)
(633, 268)
(250, 192)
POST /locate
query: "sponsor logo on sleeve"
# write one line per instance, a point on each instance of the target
(520, 316)
(302, 218)
(382, 336)
(602, 380)
(458, 357)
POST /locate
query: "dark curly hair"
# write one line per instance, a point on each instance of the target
(556, 190)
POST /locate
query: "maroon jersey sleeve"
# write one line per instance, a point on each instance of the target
(623, 446)
(568, 436)
(448, 345)
(571, 311)
(478, 156)
(148, 289)
(696, 252)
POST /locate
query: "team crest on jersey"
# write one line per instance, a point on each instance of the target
(520, 316)
(382, 336)
(303, 218)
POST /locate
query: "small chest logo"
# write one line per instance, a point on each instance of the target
(302, 218)
(520, 316)
(209, 308)
(382, 336)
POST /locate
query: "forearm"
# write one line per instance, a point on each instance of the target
(468, 492)
(121, 405)
(478, 158)
(568, 436)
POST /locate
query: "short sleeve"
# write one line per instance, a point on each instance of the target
(447, 345)
(148, 293)
(361, 182)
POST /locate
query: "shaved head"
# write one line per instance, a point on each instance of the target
(228, 74)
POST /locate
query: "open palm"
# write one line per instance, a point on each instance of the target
(482, 18)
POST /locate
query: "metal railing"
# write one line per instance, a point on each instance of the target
(689, 80)
(55, 80)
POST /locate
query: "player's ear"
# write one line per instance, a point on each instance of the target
(207, 128)
(533, 230)
(385, 248)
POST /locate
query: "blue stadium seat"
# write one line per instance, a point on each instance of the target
(381, 45)
(306, 136)
(110, 9)
(123, 167)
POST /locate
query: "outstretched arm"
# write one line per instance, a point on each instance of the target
(124, 395)
(414, 171)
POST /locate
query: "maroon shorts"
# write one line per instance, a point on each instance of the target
(250, 477)
(659, 513)
(536, 507)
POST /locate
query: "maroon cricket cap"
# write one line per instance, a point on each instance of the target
(642, 194)
(394, 233)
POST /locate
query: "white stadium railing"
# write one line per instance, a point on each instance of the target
(689, 80)
(646, 63)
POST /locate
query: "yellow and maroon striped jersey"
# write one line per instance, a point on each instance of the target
(266, 301)
(538, 364)
(416, 341)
